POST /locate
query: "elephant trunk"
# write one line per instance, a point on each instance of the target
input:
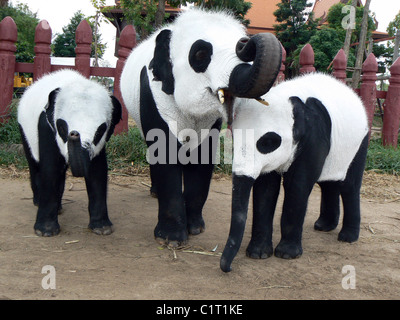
(240, 201)
(78, 157)
(254, 80)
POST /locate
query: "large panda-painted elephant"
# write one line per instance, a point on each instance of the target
(66, 119)
(314, 130)
(184, 79)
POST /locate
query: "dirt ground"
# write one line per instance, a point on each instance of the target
(129, 264)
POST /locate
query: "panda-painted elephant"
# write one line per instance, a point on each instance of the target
(314, 130)
(184, 78)
(65, 120)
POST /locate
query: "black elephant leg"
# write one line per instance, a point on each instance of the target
(51, 176)
(265, 195)
(197, 178)
(350, 192)
(330, 207)
(171, 226)
(96, 186)
(33, 168)
(298, 182)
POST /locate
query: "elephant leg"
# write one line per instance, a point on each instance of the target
(33, 168)
(330, 207)
(298, 182)
(96, 187)
(350, 193)
(197, 179)
(171, 226)
(153, 188)
(265, 195)
(51, 170)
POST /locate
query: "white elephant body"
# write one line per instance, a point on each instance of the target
(346, 111)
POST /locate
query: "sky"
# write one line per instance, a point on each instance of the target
(59, 12)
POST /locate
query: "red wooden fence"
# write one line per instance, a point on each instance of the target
(42, 64)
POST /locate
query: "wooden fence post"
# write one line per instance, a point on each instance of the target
(8, 38)
(391, 114)
(368, 87)
(42, 62)
(339, 66)
(307, 59)
(126, 43)
(83, 39)
(281, 75)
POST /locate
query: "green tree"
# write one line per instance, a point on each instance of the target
(329, 39)
(392, 30)
(64, 44)
(296, 26)
(147, 15)
(26, 22)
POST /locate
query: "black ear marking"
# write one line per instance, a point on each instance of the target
(161, 62)
(62, 128)
(299, 125)
(115, 117)
(200, 55)
(50, 106)
(269, 142)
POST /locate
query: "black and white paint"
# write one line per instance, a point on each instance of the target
(313, 131)
(185, 76)
(65, 120)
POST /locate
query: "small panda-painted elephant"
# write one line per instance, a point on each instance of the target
(65, 120)
(314, 130)
(184, 78)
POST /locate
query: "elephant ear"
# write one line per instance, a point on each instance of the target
(161, 62)
(116, 116)
(50, 107)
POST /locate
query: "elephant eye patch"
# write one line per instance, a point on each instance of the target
(268, 142)
(62, 128)
(200, 55)
(99, 133)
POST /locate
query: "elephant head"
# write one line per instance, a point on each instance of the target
(200, 63)
(82, 120)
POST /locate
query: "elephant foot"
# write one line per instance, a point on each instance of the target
(170, 238)
(349, 234)
(196, 227)
(153, 192)
(322, 225)
(104, 231)
(259, 251)
(47, 229)
(101, 227)
(288, 250)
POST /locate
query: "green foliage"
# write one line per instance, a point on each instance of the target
(335, 17)
(142, 13)
(126, 149)
(296, 26)
(26, 22)
(383, 159)
(9, 138)
(64, 43)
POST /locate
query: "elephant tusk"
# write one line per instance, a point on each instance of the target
(221, 96)
(260, 100)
